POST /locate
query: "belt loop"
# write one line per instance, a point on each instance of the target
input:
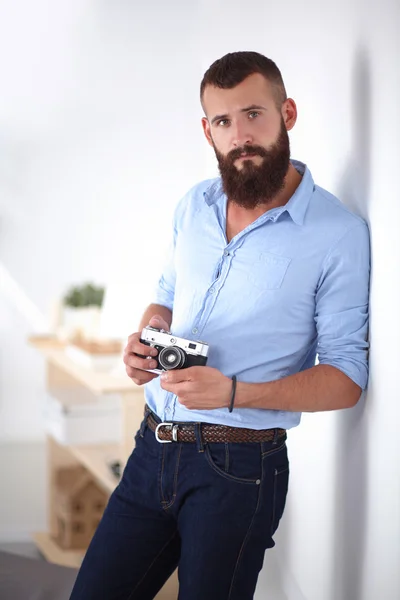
(276, 436)
(199, 437)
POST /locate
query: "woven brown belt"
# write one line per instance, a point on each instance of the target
(185, 432)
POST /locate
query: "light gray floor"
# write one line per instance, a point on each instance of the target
(22, 548)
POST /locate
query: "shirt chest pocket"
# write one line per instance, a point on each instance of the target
(268, 271)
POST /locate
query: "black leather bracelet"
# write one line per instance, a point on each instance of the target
(233, 393)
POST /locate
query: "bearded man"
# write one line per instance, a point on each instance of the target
(270, 270)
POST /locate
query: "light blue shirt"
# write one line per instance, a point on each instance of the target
(293, 285)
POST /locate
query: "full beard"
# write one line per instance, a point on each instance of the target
(254, 185)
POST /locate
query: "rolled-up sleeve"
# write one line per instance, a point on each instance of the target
(164, 292)
(165, 289)
(342, 305)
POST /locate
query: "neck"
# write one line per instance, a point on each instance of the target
(292, 181)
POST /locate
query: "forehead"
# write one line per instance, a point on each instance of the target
(255, 89)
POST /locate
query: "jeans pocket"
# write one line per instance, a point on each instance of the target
(236, 462)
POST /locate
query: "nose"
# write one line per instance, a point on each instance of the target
(241, 135)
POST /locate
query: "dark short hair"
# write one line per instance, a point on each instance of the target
(233, 68)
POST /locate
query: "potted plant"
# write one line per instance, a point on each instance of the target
(81, 311)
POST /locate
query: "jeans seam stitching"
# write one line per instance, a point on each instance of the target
(151, 564)
(273, 451)
(163, 501)
(169, 504)
(273, 504)
(246, 536)
(277, 473)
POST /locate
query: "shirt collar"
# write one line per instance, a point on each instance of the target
(296, 206)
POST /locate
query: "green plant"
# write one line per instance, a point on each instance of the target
(85, 295)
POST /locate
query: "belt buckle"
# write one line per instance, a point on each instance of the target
(171, 426)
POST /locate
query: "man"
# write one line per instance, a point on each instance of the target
(270, 270)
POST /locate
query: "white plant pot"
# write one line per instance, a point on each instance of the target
(81, 322)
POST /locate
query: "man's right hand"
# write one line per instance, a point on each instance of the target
(136, 366)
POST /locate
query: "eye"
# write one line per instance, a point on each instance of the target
(222, 122)
(253, 114)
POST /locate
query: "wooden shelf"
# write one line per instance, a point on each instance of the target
(96, 460)
(73, 396)
(95, 381)
(54, 554)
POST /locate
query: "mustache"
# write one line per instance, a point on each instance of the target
(237, 152)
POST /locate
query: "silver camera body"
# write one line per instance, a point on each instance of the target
(173, 352)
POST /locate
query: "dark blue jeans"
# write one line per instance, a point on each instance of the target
(209, 509)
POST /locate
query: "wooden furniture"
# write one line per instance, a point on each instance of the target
(79, 505)
(71, 383)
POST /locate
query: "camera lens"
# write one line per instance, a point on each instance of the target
(171, 357)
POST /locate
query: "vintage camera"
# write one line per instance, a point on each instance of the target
(173, 352)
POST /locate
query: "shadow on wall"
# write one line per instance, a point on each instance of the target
(352, 433)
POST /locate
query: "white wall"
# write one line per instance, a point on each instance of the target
(99, 138)
(23, 500)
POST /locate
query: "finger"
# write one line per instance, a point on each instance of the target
(136, 362)
(133, 336)
(140, 377)
(136, 347)
(193, 373)
(138, 381)
(177, 375)
(143, 349)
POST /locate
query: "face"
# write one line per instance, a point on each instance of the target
(249, 136)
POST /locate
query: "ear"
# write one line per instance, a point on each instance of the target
(289, 113)
(206, 129)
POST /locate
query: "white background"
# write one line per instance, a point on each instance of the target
(100, 137)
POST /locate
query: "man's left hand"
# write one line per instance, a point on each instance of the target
(198, 387)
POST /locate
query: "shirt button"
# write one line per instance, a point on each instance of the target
(167, 409)
(226, 253)
(212, 290)
(194, 330)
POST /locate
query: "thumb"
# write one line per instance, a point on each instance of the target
(159, 322)
(175, 376)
